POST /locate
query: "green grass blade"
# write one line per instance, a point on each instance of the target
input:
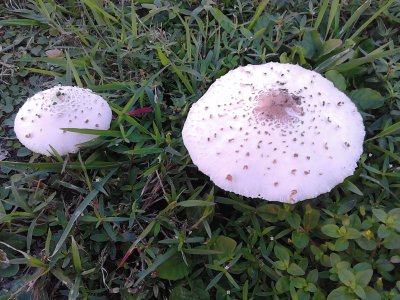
(161, 259)
(153, 12)
(389, 130)
(58, 166)
(321, 14)
(145, 151)
(31, 228)
(85, 173)
(130, 120)
(80, 210)
(115, 86)
(74, 291)
(96, 9)
(354, 18)
(18, 22)
(135, 97)
(223, 20)
(134, 20)
(144, 233)
(259, 10)
(165, 62)
(363, 60)
(372, 18)
(113, 133)
(332, 14)
(44, 72)
(387, 152)
(73, 70)
(76, 259)
(59, 274)
(195, 203)
(48, 242)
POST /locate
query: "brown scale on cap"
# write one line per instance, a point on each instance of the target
(275, 104)
(292, 193)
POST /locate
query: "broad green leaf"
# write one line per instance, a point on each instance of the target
(341, 293)
(373, 294)
(359, 291)
(300, 239)
(173, 269)
(226, 245)
(282, 253)
(312, 44)
(331, 230)
(366, 244)
(346, 276)
(392, 241)
(295, 270)
(352, 233)
(338, 79)
(294, 220)
(364, 277)
(180, 293)
(269, 212)
(311, 218)
(380, 214)
(367, 98)
(282, 285)
(341, 244)
(197, 292)
(9, 271)
(157, 263)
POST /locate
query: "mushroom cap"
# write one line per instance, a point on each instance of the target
(39, 121)
(274, 131)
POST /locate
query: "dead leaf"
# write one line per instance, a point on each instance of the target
(54, 53)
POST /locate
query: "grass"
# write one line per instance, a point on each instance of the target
(130, 216)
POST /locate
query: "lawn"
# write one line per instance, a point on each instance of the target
(130, 216)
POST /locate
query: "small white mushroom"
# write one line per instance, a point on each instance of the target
(274, 131)
(39, 121)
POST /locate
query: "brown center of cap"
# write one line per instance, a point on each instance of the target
(277, 105)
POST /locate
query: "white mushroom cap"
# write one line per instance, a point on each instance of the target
(274, 131)
(39, 121)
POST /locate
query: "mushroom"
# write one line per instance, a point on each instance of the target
(39, 122)
(274, 131)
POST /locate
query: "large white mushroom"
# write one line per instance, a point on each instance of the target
(274, 131)
(39, 122)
